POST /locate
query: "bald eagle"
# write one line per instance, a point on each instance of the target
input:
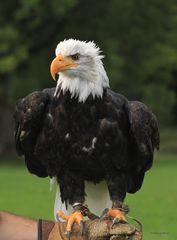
(83, 132)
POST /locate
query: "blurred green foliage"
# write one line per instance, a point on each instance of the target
(138, 38)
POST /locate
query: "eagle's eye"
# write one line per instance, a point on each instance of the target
(75, 56)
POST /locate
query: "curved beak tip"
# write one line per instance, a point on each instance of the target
(53, 73)
(53, 69)
(54, 76)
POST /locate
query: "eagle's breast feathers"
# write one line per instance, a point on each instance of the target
(90, 138)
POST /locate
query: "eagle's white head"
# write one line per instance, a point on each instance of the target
(80, 68)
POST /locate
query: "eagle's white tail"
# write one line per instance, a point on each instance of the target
(97, 199)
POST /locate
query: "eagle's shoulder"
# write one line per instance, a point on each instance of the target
(49, 92)
(115, 98)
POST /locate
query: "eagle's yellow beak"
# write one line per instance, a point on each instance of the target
(59, 64)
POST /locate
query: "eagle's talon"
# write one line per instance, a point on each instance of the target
(115, 221)
(104, 214)
(60, 219)
(76, 216)
(114, 214)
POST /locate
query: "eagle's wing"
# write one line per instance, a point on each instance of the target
(145, 138)
(144, 131)
(29, 117)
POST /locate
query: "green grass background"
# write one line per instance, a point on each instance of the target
(155, 204)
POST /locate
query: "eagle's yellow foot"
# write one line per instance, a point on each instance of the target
(115, 214)
(76, 216)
